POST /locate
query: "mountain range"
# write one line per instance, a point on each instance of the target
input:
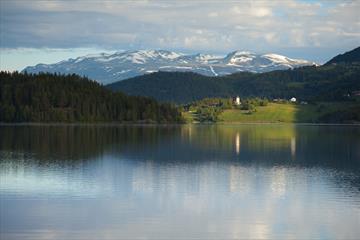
(108, 68)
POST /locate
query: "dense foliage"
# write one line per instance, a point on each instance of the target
(348, 115)
(59, 98)
(209, 109)
(323, 83)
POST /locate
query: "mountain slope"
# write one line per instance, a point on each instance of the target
(108, 68)
(173, 86)
(331, 82)
(348, 57)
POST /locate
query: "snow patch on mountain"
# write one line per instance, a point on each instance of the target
(107, 68)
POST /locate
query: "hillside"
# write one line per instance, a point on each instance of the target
(348, 57)
(178, 87)
(325, 83)
(60, 98)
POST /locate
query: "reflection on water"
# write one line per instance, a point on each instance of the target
(237, 143)
(175, 182)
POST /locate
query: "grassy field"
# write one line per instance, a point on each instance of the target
(271, 113)
(282, 112)
(276, 113)
(189, 117)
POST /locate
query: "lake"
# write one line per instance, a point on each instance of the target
(179, 182)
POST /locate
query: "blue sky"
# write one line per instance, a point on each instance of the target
(40, 31)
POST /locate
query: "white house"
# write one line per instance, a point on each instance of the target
(237, 100)
(292, 99)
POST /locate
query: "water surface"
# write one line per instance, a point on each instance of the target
(179, 182)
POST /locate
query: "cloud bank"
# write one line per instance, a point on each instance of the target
(206, 25)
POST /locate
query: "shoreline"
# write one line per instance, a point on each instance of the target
(172, 124)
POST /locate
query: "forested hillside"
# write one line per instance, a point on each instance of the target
(323, 83)
(348, 57)
(59, 98)
(178, 87)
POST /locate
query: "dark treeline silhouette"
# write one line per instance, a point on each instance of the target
(348, 57)
(66, 143)
(46, 97)
(322, 83)
(72, 145)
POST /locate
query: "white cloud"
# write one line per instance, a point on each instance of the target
(261, 12)
(195, 42)
(190, 25)
(213, 14)
(297, 38)
(271, 37)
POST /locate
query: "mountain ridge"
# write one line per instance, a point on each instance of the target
(108, 68)
(347, 57)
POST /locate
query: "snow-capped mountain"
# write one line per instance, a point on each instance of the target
(107, 68)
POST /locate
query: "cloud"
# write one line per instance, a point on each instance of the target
(261, 12)
(190, 25)
(213, 14)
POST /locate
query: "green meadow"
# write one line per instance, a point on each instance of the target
(278, 113)
(273, 112)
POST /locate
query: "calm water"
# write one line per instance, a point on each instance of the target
(179, 182)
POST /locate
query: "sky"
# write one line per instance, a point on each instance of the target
(48, 31)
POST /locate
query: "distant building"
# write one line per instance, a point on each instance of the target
(303, 103)
(236, 100)
(292, 99)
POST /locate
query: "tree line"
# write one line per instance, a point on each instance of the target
(47, 97)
